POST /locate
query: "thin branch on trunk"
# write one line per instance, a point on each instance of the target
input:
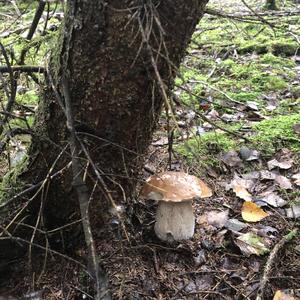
(83, 198)
(34, 24)
(13, 87)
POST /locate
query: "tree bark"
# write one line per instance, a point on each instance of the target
(119, 59)
(115, 96)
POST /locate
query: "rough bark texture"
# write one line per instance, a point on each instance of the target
(115, 97)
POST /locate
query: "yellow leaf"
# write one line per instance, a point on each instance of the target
(252, 213)
(241, 192)
(280, 295)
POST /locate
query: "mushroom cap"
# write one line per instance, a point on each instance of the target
(174, 187)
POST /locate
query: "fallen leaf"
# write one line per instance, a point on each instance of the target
(235, 225)
(200, 130)
(254, 175)
(297, 128)
(242, 193)
(215, 218)
(280, 295)
(161, 142)
(249, 154)
(296, 178)
(229, 118)
(213, 115)
(231, 159)
(267, 175)
(200, 258)
(283, 182)
(240, 186)
(285, 164)
(252, 212)
(252, 105)
(293, 212)
(271, 106)
(247, 182)
(272, 199)
(266, 231)
(250, 243)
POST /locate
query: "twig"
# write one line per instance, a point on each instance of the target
(258, 16)
(25, 69)
(83, 198)
(34, 24)
(217, 90)
(18, 239)
(267, 270)
(13, 86)
(31, 188)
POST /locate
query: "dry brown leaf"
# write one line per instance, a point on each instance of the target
(215, 218)
(297, 128)
(242, 192)
(283, 182)
(250, 243)
(280, 295)
(251, 212)
(293, 212)
(273, 199)
(284, 164)
(296, 178)
(267, 175)
(231, 159)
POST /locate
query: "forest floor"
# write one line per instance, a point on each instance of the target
(236, 125)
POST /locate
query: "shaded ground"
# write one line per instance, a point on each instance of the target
(242, 78)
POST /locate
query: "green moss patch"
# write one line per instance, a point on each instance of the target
(278, 132)
(204, 149)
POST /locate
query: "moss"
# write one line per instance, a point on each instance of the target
(204, 148)
(273, 60)
(11, 184)
(246, 96)
(284, 48)
(274, 83)
(251, 47)
(29, 98)
(278, 132)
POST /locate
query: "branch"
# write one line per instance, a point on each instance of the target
(83, 197)
(34, 24)
(25, 69)
(13, 87)
(268, 267)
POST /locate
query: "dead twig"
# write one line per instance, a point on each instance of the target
(25, 69)
(34, 24)
(21, 240)
(268, 267)
(83, 198)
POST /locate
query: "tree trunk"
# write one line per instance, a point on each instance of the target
(119, 60)
(105, 51)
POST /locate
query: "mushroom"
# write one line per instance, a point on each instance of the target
(175, 192)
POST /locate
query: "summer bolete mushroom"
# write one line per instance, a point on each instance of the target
(175, 192)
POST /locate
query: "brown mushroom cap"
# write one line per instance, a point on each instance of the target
(174, 187)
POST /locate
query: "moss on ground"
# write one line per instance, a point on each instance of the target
(204, 149)
(262, 68)
(277, 132)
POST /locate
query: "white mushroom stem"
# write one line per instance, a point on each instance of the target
(174, 221)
